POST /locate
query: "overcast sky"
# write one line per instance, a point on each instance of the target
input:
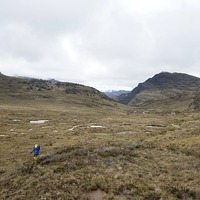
(106, 44)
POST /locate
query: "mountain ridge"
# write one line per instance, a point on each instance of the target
(166, 87)
(31, 89)
(163, 90)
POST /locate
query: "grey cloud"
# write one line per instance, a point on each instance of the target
(101, 43)
(177, 38)
(19, 40)
(48, 15)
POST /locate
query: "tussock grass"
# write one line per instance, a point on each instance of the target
(137, 155)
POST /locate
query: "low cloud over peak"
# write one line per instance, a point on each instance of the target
(106, 44)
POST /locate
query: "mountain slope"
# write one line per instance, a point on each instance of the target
(30, 91)
(91, 150)
(164, 89)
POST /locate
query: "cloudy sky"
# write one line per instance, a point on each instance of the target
(106, 44)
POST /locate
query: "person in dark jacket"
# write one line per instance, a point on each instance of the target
(36, 151)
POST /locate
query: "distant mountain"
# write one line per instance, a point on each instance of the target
(114, 93)
(165, 89)
(19, 89)
(53, 81)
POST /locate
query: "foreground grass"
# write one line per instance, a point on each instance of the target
(124, 153)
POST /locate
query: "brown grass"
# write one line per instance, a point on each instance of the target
(135, 155)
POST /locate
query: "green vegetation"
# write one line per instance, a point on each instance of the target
(171, 90)
(95, 148)
(134, 155)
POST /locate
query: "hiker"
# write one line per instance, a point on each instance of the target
(36, 151)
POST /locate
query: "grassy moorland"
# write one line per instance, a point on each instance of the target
(98, 152)
(95, 148)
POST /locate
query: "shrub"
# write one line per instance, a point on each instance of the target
(183, 193)
(2, 170)
(26, 168)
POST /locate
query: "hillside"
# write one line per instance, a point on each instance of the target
(91, 147)
(32, 91)
(165, 90)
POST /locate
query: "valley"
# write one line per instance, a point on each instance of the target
(96, 148)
